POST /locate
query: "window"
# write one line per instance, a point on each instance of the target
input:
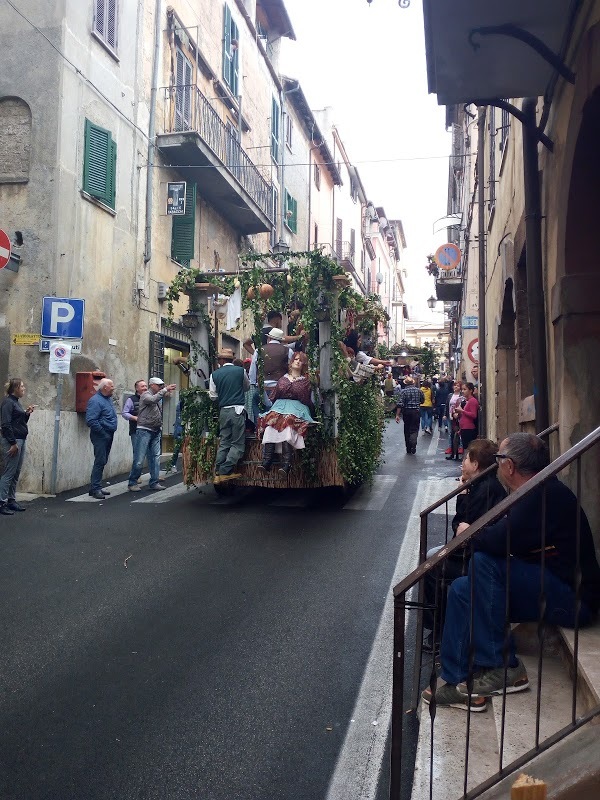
(183, 232)
(99, 164)
(504, 129)
(183, 91)
(289, 128)
(318, 177)
(275, 135)
(316, 239)
(105, 22)
(291, 212)
(231, 55)
(338, 237)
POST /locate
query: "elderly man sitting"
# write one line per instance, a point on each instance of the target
(520, 456)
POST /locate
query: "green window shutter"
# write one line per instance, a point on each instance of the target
(291, 212)
(183, 232)
(235, 60)
(99, 162)
(227, 65)
(275, 130)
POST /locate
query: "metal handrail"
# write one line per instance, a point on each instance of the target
(189, 110)
(427, 566)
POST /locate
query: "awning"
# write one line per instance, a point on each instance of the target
(463, 65)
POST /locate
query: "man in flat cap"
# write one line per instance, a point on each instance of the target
(228, 385)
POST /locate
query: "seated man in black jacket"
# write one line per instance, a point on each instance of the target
(471, 504)
(545, 518)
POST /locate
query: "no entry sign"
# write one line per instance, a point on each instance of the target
(5, 248)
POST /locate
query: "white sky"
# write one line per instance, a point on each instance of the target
(368, 64)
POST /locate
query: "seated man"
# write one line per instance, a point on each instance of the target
(520, 457)
(471, 504)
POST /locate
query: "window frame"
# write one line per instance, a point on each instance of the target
(99, 154)
(275, 130)
(317, 177)
(186, 225)
(289, 131)
(103, 36)
(231, 59)
(291, 205)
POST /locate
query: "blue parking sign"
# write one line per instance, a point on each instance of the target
(62, 317)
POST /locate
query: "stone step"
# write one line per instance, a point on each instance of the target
(521, 707)
(588, 657)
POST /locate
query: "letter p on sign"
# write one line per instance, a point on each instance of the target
(60, 312)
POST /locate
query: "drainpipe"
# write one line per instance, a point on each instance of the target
(481, 291)
(284, 93)
(152, 134)
(534, 265)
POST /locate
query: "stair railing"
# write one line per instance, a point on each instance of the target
(426, 566)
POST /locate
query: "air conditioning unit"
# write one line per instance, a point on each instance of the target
(161, 291)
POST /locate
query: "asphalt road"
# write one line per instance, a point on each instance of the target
(223, 662)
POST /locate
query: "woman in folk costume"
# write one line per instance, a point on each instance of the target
(286, 423)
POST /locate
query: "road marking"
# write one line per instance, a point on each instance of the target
(372, 498)
(165, 496)
(360, 760)
(115, 490)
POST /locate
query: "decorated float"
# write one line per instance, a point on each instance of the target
(344, 448)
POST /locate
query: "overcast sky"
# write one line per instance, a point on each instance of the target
(367, 62)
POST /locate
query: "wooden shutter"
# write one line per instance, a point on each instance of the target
(183, 91)
(227, 65)
(235, 59)
(291, 212)
(111, 23)
(338, 237)
(99, 162)
(352, 243)
(183, 232)
(275, 130)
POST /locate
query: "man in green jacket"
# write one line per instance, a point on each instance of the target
(228, 385)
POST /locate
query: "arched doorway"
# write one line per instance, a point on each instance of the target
(576, 307)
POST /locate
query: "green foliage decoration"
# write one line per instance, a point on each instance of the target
(306, 280)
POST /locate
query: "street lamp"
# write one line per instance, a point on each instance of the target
(431, 301)
(190, 319)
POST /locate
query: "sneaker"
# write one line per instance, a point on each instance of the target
(157, 487)
(448, 696)
(5, 510)
(171, 470)
(490, 682)
(12, 505)
(134, 488)
(460, 451)
(448, 451)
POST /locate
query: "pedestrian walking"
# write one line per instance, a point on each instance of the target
(228, 386)
(101, 419)
(13, 419)
(148, 435)
(408, 404)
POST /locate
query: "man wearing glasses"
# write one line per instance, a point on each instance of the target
(551, 506)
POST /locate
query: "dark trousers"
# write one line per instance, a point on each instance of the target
(411, 417)
(102, 443)
(467, 437)
(489, 609)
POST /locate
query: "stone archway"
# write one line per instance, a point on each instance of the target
(576, 303)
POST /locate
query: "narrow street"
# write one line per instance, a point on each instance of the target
(226, 659)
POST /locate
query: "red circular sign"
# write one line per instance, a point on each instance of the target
(473, 351)
(448, 256)
(5, 248)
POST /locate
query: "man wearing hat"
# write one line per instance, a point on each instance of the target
(276, 359)
(408, 405)
(228, 385)
(148, 434)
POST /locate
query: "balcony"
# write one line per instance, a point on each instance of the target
(449, 285)
(207, 152)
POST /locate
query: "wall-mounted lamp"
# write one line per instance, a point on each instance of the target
(431, 301)
(190, 319)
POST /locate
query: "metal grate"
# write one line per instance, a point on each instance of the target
(156, 366)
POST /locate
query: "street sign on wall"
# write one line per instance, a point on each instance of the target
(469, 322)
(176, 198)
(62, 318)
(60, 358)
(448, 256)
(5, 248)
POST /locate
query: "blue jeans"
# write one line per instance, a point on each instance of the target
(102, 443)
(11, 471)
(426, 418)
(255, 407)
(490, 609)
(146, 445)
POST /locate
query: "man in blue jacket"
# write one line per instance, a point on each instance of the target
(546, 518)
(101, 419)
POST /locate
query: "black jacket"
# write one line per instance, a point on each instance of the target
(524, 526)
(482, 496)
(13, 419)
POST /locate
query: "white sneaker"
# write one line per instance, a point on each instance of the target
(158, 487)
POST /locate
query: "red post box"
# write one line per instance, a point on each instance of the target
(86, 384)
